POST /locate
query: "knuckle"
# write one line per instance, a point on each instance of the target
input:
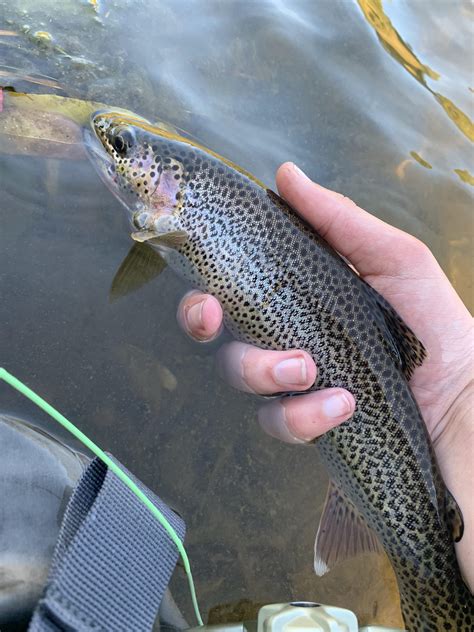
(190, 295)
(297, 414)
(248, 362)
(418, 248)
(347, 201)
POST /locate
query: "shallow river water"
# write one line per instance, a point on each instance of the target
(371, 98)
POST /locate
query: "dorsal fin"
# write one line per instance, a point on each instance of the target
(408, 351)
(405, 348)
(342, 532)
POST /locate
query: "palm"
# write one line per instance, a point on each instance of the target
(429, 305)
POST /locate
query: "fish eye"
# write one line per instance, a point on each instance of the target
(122, 141)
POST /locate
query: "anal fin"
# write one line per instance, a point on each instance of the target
(454, 517)
(342, 532)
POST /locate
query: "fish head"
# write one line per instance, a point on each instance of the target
(129, 156)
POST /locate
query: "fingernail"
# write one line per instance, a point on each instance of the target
(299, 172)
(193, 317)
(272, 420)
(291, 371)
(337, 406)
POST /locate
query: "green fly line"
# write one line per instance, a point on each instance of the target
(70, 427)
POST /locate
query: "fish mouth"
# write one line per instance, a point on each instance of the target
(94, 145)
(101, 159)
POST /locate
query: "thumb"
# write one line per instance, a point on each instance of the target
(362, 238)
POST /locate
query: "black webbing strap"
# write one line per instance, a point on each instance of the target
(112, 562)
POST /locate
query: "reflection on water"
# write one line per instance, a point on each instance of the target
(394, 44)
(461, 120)
(465, 176)
(420, 160)
(259, 82)
(402, 52)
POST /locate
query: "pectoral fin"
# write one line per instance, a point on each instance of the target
(342, 532)
(173, 239)
(454, 517)
(141, 265)
(141, 236)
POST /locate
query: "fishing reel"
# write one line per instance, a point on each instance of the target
(298, 616)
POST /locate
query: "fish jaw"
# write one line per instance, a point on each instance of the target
(105, 167)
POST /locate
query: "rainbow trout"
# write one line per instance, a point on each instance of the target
(282, 286)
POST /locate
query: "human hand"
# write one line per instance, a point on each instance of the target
(404, 271)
